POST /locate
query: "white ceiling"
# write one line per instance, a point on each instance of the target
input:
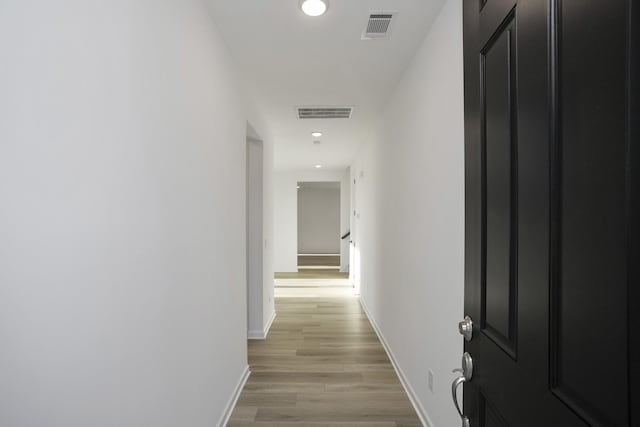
(288, 59)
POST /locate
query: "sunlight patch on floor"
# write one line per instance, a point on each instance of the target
(313, 288)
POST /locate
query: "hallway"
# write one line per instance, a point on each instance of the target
(321, 364)
(152, 153)
(306, 213)
(130, 135)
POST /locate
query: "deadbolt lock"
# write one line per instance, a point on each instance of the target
(466, 328)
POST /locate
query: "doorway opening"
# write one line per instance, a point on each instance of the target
(319, 228)
(319, 225)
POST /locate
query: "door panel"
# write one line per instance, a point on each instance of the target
(498, 92)
(548, 218)
(634, 205)
(588, 219)
(492, 15)
(489, 416)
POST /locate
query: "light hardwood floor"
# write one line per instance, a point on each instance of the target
(309, 273)
(321, 365)
(319, 260)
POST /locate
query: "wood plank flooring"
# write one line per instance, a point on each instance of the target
(304, 273)
(321, 365)
(319, 260)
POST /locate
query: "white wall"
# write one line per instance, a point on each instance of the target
(261, 304)
(318, 220)
(122, 215)
(259, 129)
(345, 218)
(255, 238)
(285, 202)
(409, 195)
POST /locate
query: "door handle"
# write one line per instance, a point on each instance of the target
(467, 374)
(454, 391)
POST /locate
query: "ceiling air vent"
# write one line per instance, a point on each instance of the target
(324, 112)
(378, 26)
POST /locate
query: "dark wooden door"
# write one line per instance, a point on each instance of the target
(551, 228)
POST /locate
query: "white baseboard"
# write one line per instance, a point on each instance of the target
(267, 327)
(262, 335)
(255, 335)
(422, 414)
(228, 410)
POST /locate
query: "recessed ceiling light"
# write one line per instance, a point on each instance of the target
(316, 134)
(314, 7)
(318, 166)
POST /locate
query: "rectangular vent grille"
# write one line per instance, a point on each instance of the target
(378, 26)
(324, 112)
